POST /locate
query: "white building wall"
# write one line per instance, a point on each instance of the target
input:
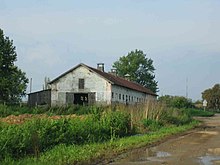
(125, 95)
(69, 83)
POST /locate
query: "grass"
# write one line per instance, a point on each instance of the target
(88, 153)
(200, 113)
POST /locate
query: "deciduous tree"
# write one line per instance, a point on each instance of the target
(139, 67)
(212, 96)
(13, 81)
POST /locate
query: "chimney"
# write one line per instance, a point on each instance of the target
(113, 71)
(100, 66)
(128, 77)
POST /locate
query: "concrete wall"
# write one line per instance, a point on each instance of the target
(128, 96)
(69, 83)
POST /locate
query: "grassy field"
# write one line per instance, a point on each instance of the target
(74, 135)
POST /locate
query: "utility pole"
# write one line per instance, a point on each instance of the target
(30, 85)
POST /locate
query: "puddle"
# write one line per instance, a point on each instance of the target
(151, 153)
(209, 160)
(161, 154)
(144, 155)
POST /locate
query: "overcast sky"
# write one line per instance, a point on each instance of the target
(181, 37)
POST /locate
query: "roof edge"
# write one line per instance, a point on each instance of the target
(63, 74)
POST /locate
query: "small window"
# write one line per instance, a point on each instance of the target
(119, 96)
(132, 98)
(113, 95)
(81, 83)
(129, 98)
(123, 97)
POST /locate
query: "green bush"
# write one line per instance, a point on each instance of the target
(176, 116)
(152, 125)
(176, 101)
(200, 112)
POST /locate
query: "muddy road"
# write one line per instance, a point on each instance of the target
(199, 147)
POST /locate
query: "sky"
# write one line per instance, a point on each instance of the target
(181, 37)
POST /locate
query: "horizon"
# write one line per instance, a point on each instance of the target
(181, 37)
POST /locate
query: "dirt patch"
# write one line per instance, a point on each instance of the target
(12, 119)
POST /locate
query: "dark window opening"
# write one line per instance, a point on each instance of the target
(81, 98)
(119, 96)
(113, 95)
(81, 83)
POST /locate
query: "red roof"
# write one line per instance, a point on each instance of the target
(114, 80)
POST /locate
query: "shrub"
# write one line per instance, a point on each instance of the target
(176, 116)
(200, 112)
(176, 101)
(152, 125)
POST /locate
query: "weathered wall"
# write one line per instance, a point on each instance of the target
(39, 98)
(130, 96)
(69, 83)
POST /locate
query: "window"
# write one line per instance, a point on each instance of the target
(123, 97)
(129, 98)
(113, 95)
(119, 96)
(81, 83)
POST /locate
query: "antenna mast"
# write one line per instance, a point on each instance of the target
(187, 87)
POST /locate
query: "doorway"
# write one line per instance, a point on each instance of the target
(81, 98)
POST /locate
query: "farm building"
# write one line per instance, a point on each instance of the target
(86, 85)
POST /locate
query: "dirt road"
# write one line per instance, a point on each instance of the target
(200, 147)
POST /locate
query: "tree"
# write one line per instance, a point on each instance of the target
(13, 82)
(139, 68)
(212, 96)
